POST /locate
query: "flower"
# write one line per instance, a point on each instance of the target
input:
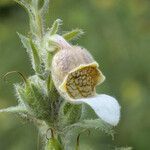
(76, 74)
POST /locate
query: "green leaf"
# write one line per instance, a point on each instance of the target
(34, 96)
(37, 60)
(27, 45)
(69, 114)
(93, 124)
(70, 133)
(33, 53)
(14, 109)
(73, 35)
(55, 27)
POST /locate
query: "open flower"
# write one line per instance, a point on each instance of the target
(76, 74)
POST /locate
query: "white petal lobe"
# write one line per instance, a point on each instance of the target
(106, 107)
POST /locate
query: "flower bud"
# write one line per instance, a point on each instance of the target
(53, 144)
(53, 41)
(75, 73)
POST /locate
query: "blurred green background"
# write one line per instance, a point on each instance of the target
(117, 33)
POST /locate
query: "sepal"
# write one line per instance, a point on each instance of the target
(34, 95)
(69, 114)
(73, 35)
(55, 27)
(53, 144)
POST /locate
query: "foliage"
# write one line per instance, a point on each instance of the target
(120, 31)
(35, 95)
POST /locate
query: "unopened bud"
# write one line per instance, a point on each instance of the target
(53, 144)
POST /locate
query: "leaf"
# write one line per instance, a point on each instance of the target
(26, 43)
(37, 60)
(32, 51)
(72, 35)
(34, 96)
(69, 114)
(71, 132)
(55, 27)
(93, 123)
(20, 90)
(14, 109)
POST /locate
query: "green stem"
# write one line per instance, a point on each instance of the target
(77, 144)
(39, 24)
(48, 84)
(78, 139)
(38, 18)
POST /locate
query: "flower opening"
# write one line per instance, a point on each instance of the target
(82, 81)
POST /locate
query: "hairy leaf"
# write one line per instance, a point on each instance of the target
(55, 27)
(93, 123)
(32, 51)
(14, 109)
(73, 35)
(71, 132)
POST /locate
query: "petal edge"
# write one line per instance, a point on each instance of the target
(105, 106)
